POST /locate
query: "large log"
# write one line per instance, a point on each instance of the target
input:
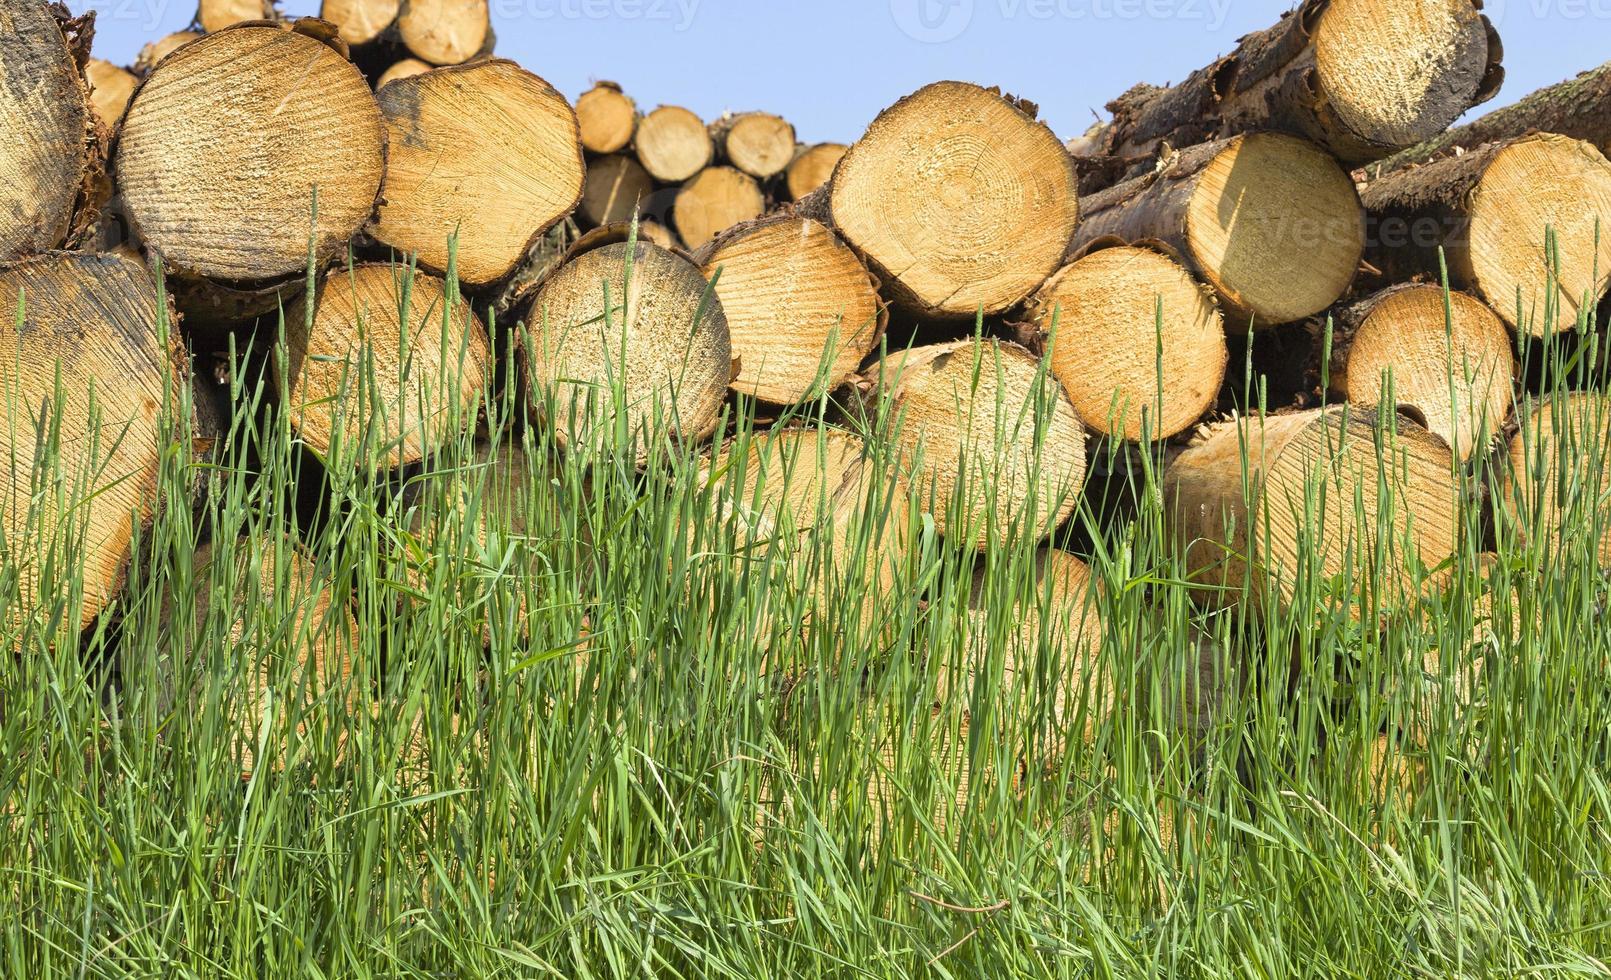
(1491, 212)
(1271, 222)
(111, 88)
(1452, 363)
(1289, 505)
(802, 309)
(487, 152)
(48, 159)
(616, 186)
(1360, 78)
(714, 201)
(213, 16)
(1555, 477)
(225, 143)
(812, 168)
(757, 143)
(994, 445)
(1137, 343)
(445, 32)
(609, 118)
(961, 201)
(655, 361)
(392, 366)
(673, 144)
(1579, 108)
(89, 387)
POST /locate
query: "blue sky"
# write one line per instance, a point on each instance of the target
(830, 65)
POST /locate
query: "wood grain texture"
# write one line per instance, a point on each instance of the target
(609, 118)
(715, 200)
(812, 168)
(673, 144)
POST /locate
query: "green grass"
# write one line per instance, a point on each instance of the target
(691, 750)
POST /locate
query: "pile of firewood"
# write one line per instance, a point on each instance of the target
(1302, 195)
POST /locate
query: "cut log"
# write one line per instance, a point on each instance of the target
(1137, 343)
(488, 152)
(960, 200)
(154, 52)
(361, 22)
(1579, 108)
(47, 158)
(802, 308)
(1290, 505)
(111, 88)
(812, 169)
(407, 68)
(1360, 78)
(225, 143)
(1491, 211)
(758, 143)
(1554, 480)
(714, 201)
(213, 16)
(92, 321)
(290, 642)
(616, 186)
(445, 32)
(1269, 221)
(673, 144)
(655, 362)
(393, 366)
(609, 118)
(1453, 365)
(994, 444)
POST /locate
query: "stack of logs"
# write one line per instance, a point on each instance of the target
(1302, 195)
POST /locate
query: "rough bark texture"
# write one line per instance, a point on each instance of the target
(93, 320)
(487, 152)
(714, 201)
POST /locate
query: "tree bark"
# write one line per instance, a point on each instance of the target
(673, 144)
(609, 118)
(714, 201)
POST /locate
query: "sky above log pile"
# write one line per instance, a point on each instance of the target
(829, 66)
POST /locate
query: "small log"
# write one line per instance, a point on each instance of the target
(1453, 365)
(487, 152)
(1267, 502)
(213, 16)
(1137, 343)
(445, 32)
(714, 201)
(802, 309)
(960, 199)
(662, 347)
(225, 142)
(812, 169)
(757, 143)
(1271, 222)
(1491, 212)
(616, 186)
(673, 144)
(609, 118)
(384, 369)
(361, 22)
(153, 53)
(994, 444)
(111, 88)
(407, 68)
(1554, 476)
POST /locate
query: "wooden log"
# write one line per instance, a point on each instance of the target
(1269, 221)
(1137, 343)
(213, 16)
(714, 201)
(393, 366)
(407, 68)
(1359, 78)
(290, 639)
(673, 144)
(1554, 476)
(757, 143)
(802, 309)
(616, 186)
(48, 159)
(445, 32)
(1293, 500)
(488, 152)
(1452, 364)
(1491, 213)
(656, 361)
(609, 118)
(1579, 108)
(994, 445)
(82, 459)
(225, 142)
(361, 22)
(153, 53)
(111, 88)
(812, 168)
(960, 200)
